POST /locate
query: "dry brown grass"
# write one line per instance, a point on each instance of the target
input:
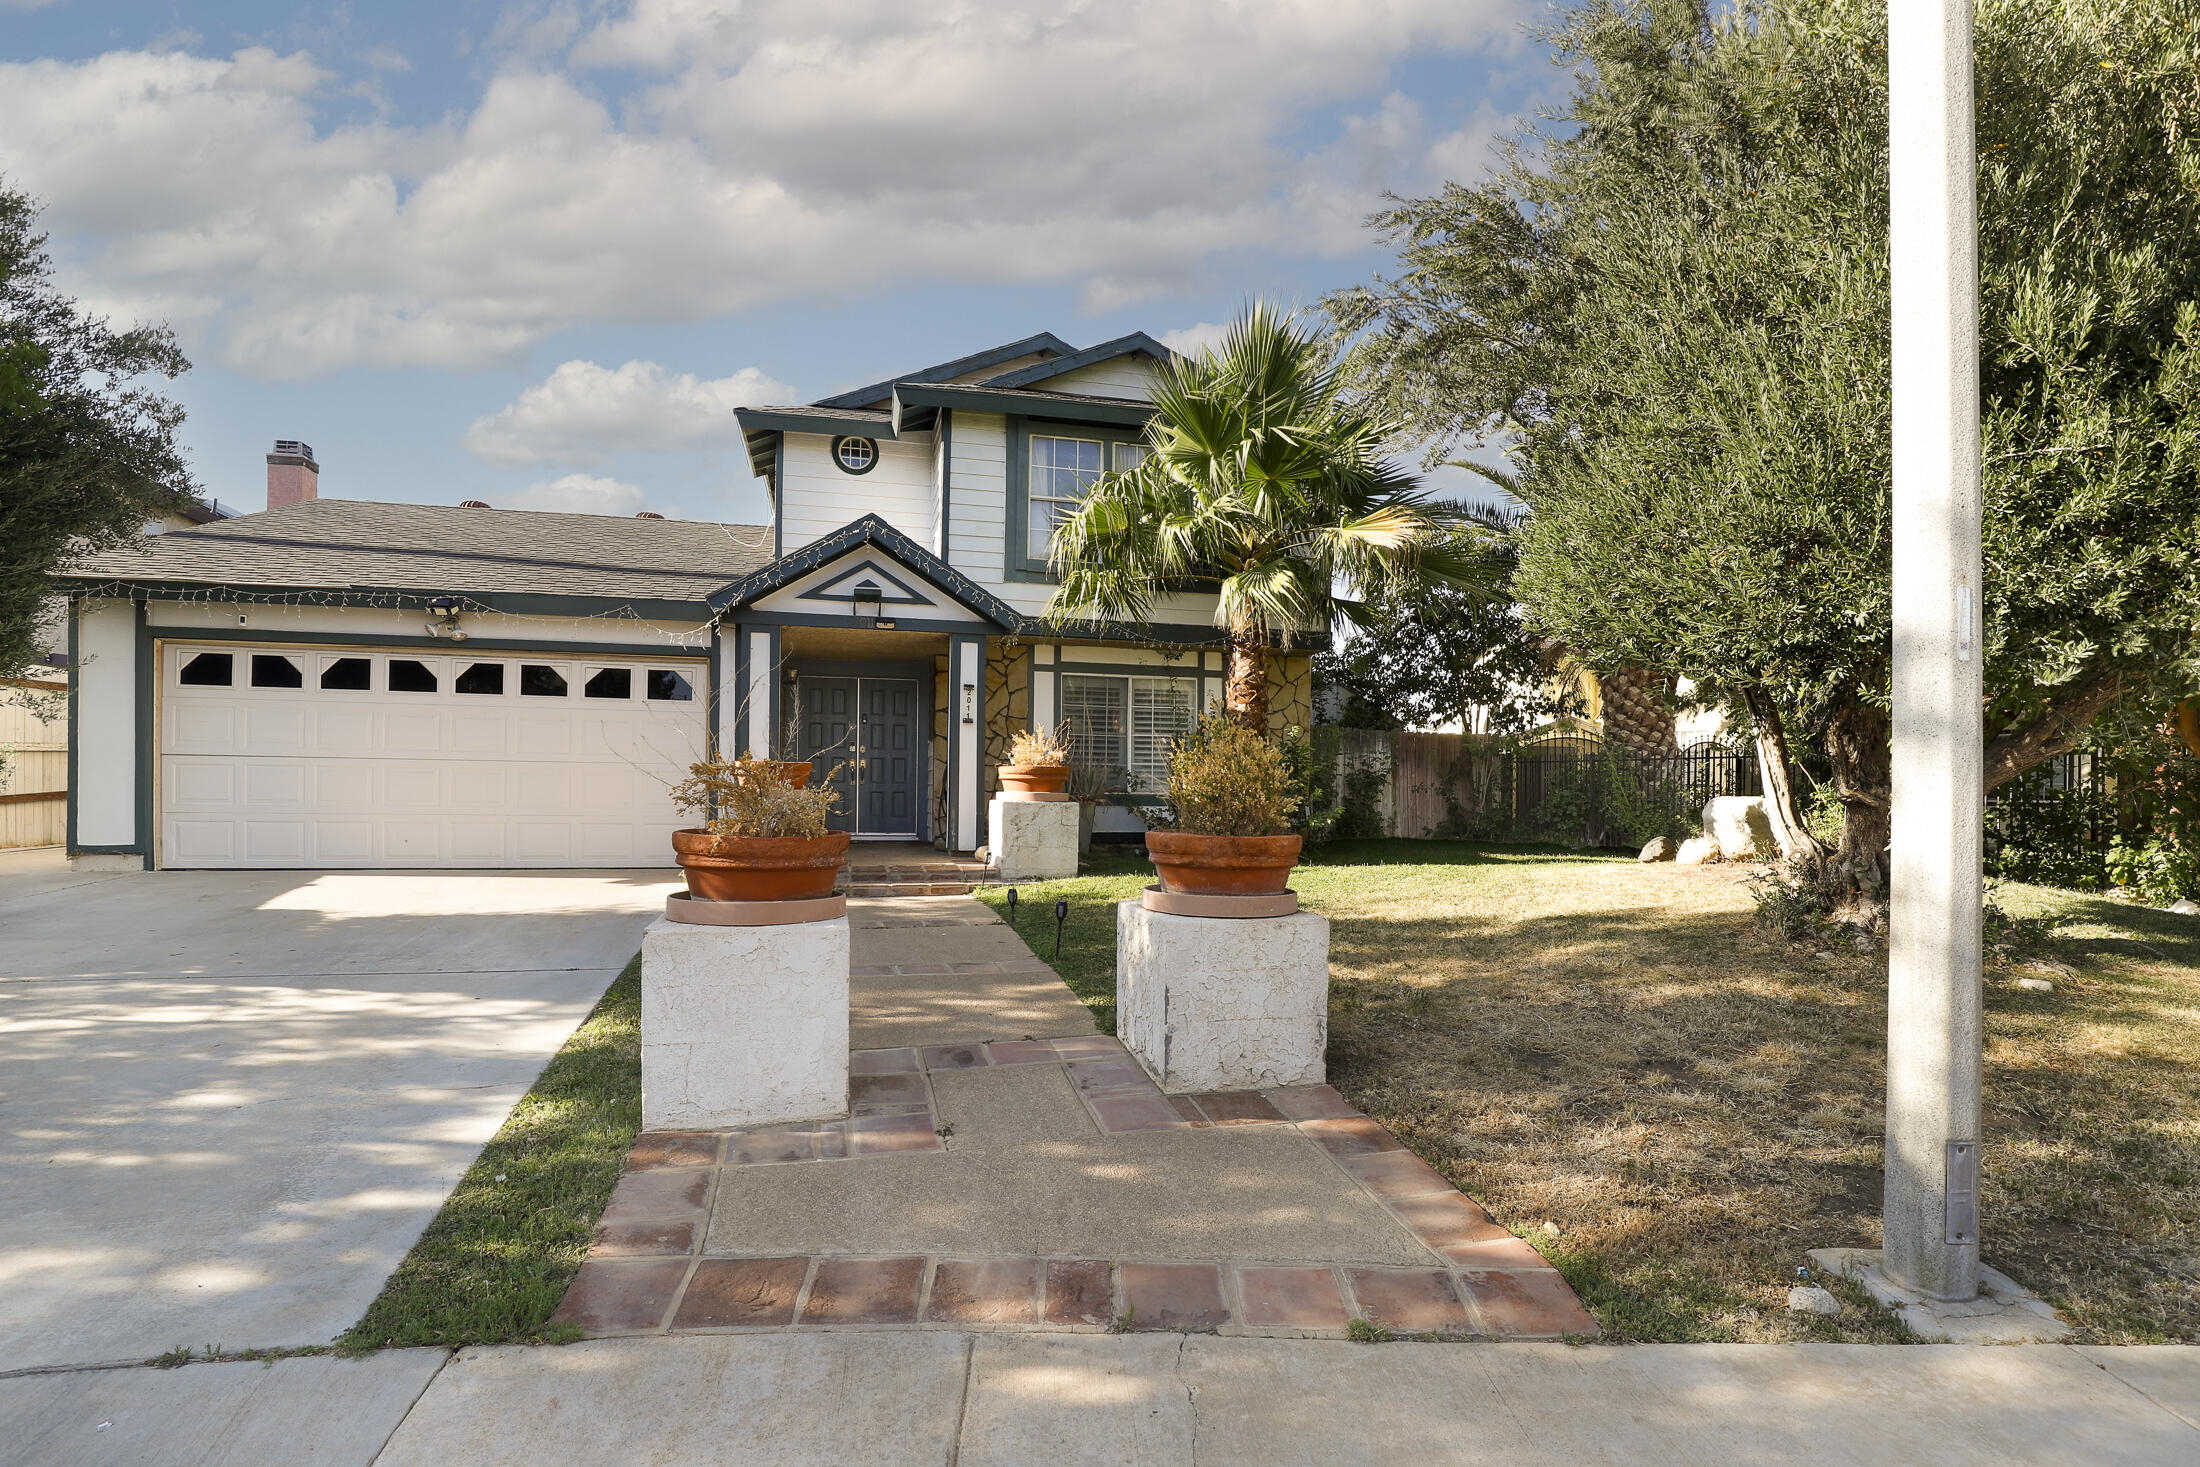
(1617, 1051)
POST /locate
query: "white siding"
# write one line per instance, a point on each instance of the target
(106, 725)
(977, 523)
(1129, 375)
(817, 498)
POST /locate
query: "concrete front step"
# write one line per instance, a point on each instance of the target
(941, 879)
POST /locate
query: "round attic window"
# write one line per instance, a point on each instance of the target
(855, 455)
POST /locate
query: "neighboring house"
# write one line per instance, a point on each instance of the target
(343, 683)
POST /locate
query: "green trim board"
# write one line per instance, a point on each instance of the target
(942, 519)
(728, 749)
(854, 422)
(147, 736)
(710, 700)
(900, 623)
(1016, 562)
(394, 598)
(503, 647)
(76, 609)
(1067, 407)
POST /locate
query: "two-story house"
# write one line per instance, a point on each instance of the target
(346, 683)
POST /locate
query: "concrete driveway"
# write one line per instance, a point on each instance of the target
(229, 1101)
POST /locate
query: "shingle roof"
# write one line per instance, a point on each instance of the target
(360, 544)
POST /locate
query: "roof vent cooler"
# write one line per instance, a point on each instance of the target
(647, 514)
(475, 504)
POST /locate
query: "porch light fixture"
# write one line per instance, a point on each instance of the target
(970, 702)
(865, 603)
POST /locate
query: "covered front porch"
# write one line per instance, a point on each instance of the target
(904, 683)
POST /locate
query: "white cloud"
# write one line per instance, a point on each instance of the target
(1194, 339)
(767, 150)
(582, 412)
(581, 494)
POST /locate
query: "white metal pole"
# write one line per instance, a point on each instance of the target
(1934, 1035)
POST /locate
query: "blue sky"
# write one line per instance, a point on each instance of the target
(533, 253)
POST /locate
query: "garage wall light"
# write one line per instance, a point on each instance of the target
(446, 623)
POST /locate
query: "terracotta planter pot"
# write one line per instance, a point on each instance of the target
(1222, 865)
(754, 868)
(1038, 779)
(796, 773)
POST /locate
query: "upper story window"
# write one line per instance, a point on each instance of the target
(1063, 471)
(855, 455)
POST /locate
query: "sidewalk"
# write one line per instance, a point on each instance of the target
(849, 1398)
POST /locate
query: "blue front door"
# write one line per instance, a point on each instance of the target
(864, 734)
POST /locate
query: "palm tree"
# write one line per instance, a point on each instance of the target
(1262, 481)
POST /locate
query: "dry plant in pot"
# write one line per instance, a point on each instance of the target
(764, 837)
(1225, 826)
(1038, 762)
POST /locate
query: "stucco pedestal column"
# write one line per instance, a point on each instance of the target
(1223, 1003)
(743, 1025)
(1033, 840)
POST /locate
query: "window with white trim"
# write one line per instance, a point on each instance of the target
(1127, 456)
(1127, 723)
(1063, 471)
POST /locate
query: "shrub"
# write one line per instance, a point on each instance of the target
(1039, 746)
(753, 797)
(2158, 869)
(1224, 779)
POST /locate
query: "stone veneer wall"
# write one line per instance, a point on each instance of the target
(1007, 707)
(1290, 690)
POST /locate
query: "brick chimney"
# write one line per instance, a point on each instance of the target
(292, 475)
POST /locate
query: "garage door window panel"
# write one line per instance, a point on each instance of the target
(610, 682)
(482, 680)
(667, 686)
(271, 671)
(410, 676)
(208, 670)
(347, 675)
(539, 681)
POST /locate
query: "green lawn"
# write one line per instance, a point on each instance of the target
(1674, 1106)
(493, 1265)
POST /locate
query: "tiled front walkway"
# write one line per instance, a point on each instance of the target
(1010, 1180)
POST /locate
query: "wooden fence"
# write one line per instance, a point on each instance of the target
(34, 787)
(1571, 790)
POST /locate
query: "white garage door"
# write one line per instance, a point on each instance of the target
(331, 756)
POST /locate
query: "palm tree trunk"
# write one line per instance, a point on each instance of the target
(1245, 686)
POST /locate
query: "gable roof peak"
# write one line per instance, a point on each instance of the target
(1137, 343)
(1045, 344)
